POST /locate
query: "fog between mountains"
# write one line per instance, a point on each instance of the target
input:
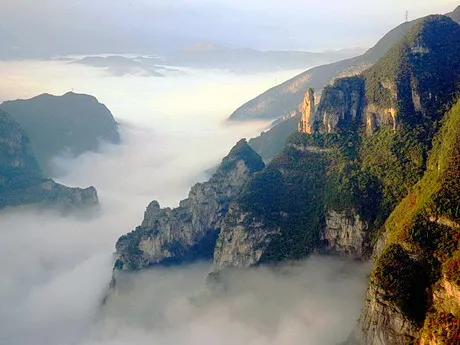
(56, 269)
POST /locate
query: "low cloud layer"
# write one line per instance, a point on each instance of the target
(56, 269)
(315, 302)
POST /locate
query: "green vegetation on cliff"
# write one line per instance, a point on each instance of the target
(423, 65)
(344, 168)
(425, 230)
(268, 144)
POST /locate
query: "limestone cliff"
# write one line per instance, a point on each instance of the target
(286, 97)
(270, 220)
(21, 180)
(401, 88)
(308, 117)
(189, 232)
(341, 105)
(331, 191)
(345, 234)
(414, 291)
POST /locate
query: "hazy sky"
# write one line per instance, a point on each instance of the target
(42, 27)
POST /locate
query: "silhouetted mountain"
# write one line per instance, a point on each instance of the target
(21, 180)
(73, 122)
(209, 56)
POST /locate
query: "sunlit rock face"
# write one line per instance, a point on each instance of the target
(382, 324)
(345, 234)
(21, 179)
(189, 232)
(308, 113)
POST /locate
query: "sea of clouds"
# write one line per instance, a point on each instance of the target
(56, 268)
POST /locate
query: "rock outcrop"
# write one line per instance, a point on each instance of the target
(189, 232)
(71, 123)
(308, 117)
(286, 97)
(332, 190)
(414, 290)
(382, 324)
(378, 177)
(242, 242)
(341, 105)
(345, 234)
(402, 88)
(21, 180)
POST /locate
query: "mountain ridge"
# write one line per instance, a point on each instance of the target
(21, 180)
(76, 122)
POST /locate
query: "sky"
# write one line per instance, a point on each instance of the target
(39, 28)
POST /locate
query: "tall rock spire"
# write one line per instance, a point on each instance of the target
(308, 112)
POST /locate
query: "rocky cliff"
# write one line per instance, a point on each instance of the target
(413, 294)
(21, 180)
(407, 86)
(73, 123)
(189, 232)
(332, 190)
(308, 113)
(286, 97)
(378, 177)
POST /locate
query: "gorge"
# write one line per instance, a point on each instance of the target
(374, 174)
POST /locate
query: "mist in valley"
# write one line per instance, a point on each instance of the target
(56, 268)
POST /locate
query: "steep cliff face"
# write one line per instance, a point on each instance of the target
(15, 148)
(189, 232)
(341, 105)
(73, 122)
(403, 87)
(243, 240)
(21, 180)
(278, 216)
(308, 117)
(286, 97)
(332, 190)
(414, 290)
(345, 234)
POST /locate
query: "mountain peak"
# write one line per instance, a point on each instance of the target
(242, 151)
(204, 46)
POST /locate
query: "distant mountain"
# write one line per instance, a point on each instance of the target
(246, 60)
(204, 46)
(73, 122)
(21, 179)
(286, 97)
(269, 143)
(455, 15)
(211, 56)
(120, 65)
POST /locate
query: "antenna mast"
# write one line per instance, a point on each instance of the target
(407, 16)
